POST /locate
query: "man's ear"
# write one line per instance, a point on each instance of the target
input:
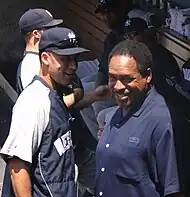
(45, 58)
(36, 34)
(149, 75)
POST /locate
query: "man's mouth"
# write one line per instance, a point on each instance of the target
(123, 95)
(69, 74)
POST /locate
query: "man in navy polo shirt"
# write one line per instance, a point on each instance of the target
(39, 149)
(136, 153)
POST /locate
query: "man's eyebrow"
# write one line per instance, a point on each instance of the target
(124, 75)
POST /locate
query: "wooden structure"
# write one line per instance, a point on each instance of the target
(79, 15)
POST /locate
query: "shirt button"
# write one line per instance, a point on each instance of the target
(107, 145)
(101, 193)
(117, 125)
(102, 169)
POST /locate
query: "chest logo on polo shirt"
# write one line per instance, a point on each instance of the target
(134, 140)
(63, 143)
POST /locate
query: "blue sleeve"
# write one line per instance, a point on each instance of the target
(166, 162)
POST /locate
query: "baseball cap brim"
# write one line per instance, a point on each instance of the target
(54, 23)
(70, 51)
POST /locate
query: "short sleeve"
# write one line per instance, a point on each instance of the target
(29, 120)
(166, 160)
(30, 67)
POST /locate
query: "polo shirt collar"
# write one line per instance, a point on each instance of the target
(117, 119)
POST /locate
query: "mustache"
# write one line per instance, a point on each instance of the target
(125, 92)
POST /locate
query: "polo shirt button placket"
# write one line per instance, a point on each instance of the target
(107, 145)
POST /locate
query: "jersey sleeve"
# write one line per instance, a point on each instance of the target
(29, 120)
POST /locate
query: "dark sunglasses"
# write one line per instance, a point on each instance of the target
(69, 43)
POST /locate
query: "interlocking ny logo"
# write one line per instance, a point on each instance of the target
(71, 35)
(102, 1)
(127, 23)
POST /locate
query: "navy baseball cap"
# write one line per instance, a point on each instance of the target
(37, 18)
(105, 4)
(134, 26)
(61, 41)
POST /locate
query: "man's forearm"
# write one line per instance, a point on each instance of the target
(20, 178)
(69, 100)
(73, 97)
(86, 101)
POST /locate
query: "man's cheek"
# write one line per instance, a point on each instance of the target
(111, 84)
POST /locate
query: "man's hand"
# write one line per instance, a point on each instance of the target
(99, 94)
(102, 93)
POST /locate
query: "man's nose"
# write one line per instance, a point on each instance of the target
(73, 65)
(119, 85)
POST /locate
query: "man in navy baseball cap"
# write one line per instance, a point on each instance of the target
(105, 4)
(57, 50)
(32, 25)
(37, 18)
(112, 5)
(60, 45)
(134, 27)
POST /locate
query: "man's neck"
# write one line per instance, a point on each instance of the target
(47, 79)
(31, 47)
(125, 111)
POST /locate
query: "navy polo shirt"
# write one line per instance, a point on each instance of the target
(136, 154)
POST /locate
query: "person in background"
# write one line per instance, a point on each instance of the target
(32, 24)
(136, 154)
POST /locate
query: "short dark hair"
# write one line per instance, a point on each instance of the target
(136, 50)
(27, 36)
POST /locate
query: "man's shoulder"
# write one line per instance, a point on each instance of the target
(29, 56)
(159, 109)
(34, 95)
